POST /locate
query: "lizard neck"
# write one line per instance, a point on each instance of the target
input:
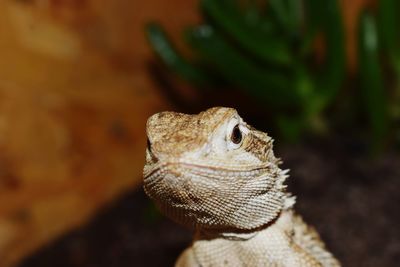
(260, 246)
(241, 235)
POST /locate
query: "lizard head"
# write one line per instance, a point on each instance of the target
(212, 171)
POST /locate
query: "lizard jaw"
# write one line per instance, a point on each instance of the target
(171, 185)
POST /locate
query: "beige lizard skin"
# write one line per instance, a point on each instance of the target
(218, 175)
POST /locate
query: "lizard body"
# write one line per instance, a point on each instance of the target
(218, 175)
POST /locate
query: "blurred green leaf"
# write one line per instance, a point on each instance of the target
(388, 19)
(312, 14)
(335, 51)
(280, 13)
(295, 15)
(225, 15)
(371, 78)
(325, 16)
(388, 22)
(271, 86)
(164, 49)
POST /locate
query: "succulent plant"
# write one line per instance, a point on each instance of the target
(265, 49)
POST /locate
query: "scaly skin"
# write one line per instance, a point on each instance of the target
(218, 175)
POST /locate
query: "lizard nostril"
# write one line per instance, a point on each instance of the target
(148, 144)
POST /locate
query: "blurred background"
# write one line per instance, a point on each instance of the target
(79, 78)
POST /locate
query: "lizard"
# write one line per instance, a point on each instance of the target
(218, 175)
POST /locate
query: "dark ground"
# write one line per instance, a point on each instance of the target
(352, 200)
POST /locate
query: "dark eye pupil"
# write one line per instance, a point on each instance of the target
(236, 136)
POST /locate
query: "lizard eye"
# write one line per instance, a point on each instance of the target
(236, 136)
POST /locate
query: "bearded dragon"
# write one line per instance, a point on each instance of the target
(218, 175)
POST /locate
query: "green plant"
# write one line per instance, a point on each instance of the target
(266, 50)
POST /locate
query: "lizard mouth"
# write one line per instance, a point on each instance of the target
(226, 171)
